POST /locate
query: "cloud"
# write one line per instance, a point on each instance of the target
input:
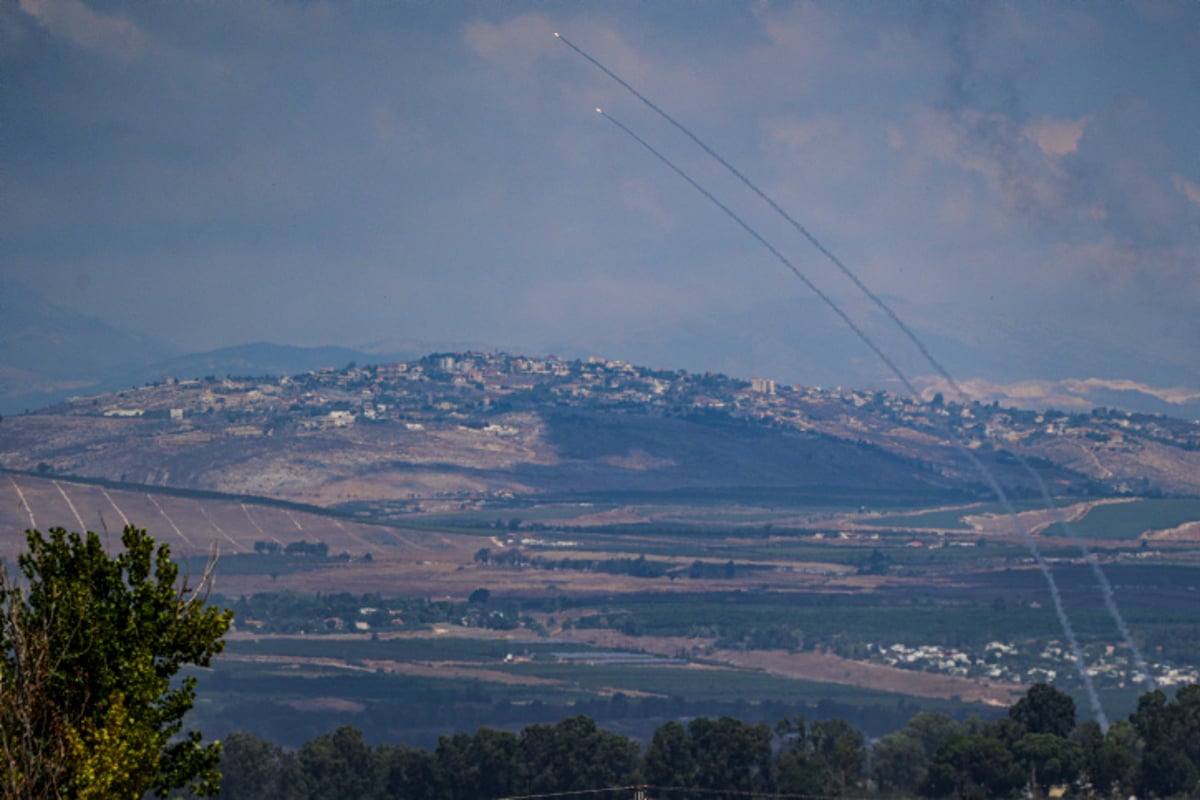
(1016, 167)
(1190, 190)
(111, 36)
(1056, 137)
(521, 40)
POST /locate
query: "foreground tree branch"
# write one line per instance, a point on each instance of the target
(91, 704)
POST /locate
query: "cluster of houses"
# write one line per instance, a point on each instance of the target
(461, 386)
(1109, 666)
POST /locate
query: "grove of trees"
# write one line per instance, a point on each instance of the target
(1035, 748)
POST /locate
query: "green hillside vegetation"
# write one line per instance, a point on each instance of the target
(90, 647)
(1035, 748)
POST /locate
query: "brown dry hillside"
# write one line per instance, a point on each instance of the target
(474, 429)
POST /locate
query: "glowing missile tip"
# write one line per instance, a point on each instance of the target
(556, 36)
(599, 110)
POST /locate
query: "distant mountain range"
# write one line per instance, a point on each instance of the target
(48, 354)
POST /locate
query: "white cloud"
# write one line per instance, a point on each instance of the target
(1187, 188)
(72, 20)
(1057, 137)
(521, 40)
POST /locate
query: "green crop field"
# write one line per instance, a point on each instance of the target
(698, 683)
(1130, 520)
(424, 648)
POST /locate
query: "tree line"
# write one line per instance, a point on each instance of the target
(1036, 748)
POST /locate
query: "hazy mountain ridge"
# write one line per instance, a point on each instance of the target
(49, 353)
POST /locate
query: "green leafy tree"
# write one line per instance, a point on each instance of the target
(668, 761)
(1170, 735)
(842, 749)
(1045, 709)
(337, 765)
(96, 643)
(898, 762)
(972, 765)
(250, 768)
(930, 728)
(796, 769)
(731, 755)
(1048, 759)
(407, 772)
(571, 755)
(476, 766)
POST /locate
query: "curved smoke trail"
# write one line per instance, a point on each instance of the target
(1102, 581)
(1052, 584)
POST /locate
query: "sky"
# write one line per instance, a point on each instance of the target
(1019, 181)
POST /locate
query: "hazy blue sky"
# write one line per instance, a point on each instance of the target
(1022, 180)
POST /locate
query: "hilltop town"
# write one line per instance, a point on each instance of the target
(489, 411)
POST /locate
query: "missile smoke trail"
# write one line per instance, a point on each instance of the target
(258, 527)
(24, 502)
(113, 503)
(778, 255)
(70, 505)
(1048, 501)
(170, 521)
(218, 528)
(1047, 574)
(765, 198)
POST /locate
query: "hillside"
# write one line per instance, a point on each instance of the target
(752, 540)
(479, 430)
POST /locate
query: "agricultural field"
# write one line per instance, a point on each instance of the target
(1159, 517)
(760, 605)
